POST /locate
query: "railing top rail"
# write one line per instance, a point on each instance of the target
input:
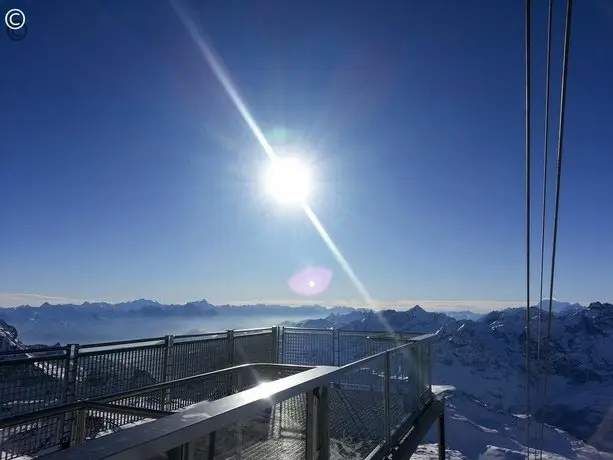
(254, 329)
(202, 335)
(157, 341)
(32, 359)
(347, 331)
(148, 440)
(33, 350)
(153, 340)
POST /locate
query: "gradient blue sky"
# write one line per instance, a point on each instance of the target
(126, 171)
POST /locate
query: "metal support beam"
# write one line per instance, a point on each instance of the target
(311, 425)
(274, 337)
(183, 452)
(441, 436)
(420, 427)
(167, 369)
(323, 423)
(386, 401)
(212, 446)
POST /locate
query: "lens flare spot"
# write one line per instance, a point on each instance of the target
(311, 281)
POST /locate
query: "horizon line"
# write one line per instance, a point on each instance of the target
(13, 300)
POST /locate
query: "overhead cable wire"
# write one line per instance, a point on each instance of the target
(556, 215)
(545, 167)
(528, 178)
(544, 203)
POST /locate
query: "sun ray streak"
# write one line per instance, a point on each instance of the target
(338, 255)
(224, 79)
(226, 82)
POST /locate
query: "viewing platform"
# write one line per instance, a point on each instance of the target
(274, 393)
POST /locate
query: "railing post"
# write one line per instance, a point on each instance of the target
(430, 364)
(230, 343)
(441, 436)
(323, 424)
(80, 429)
(415, 379)
(281, 345)
(66, 426)
(183, 452)
(336, 353)
(386, 401)
(211, 451)
(311, 427)
(167, 370)
(274, 337)
(232, 378)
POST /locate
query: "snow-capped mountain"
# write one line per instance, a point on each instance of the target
(464, 314)
(560, 307)
(486, 359)
(415, 319)
(474, 431)
(151, 308)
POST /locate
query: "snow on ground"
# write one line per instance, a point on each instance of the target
(430, 452)
(475, 432)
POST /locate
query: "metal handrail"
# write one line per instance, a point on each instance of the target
(204, 418)
(51, 411)
(122, 342)
(32, 359)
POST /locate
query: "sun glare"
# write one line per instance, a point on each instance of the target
(288, 180)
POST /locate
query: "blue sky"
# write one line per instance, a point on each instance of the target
(126, 171)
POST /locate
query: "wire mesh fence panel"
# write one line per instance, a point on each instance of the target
(206, 354)
(357, 411)
(29, 439)
(403, 397)
(381, 344)
(209, 389)
(100, 422)
(423, 374)
(109, 371)
(31, 384)
(253, 348)
(353, 346)
(308, 347)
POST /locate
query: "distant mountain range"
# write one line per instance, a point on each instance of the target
(144, 308)
(152, 309)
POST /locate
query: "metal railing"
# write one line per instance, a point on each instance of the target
(40, 378)
(360, 410)
(55, 428)
(43, 379)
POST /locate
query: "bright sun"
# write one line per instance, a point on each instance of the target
(288, 180)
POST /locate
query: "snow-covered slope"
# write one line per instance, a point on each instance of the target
(486, 359)
(476, 432)
(482, 433)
